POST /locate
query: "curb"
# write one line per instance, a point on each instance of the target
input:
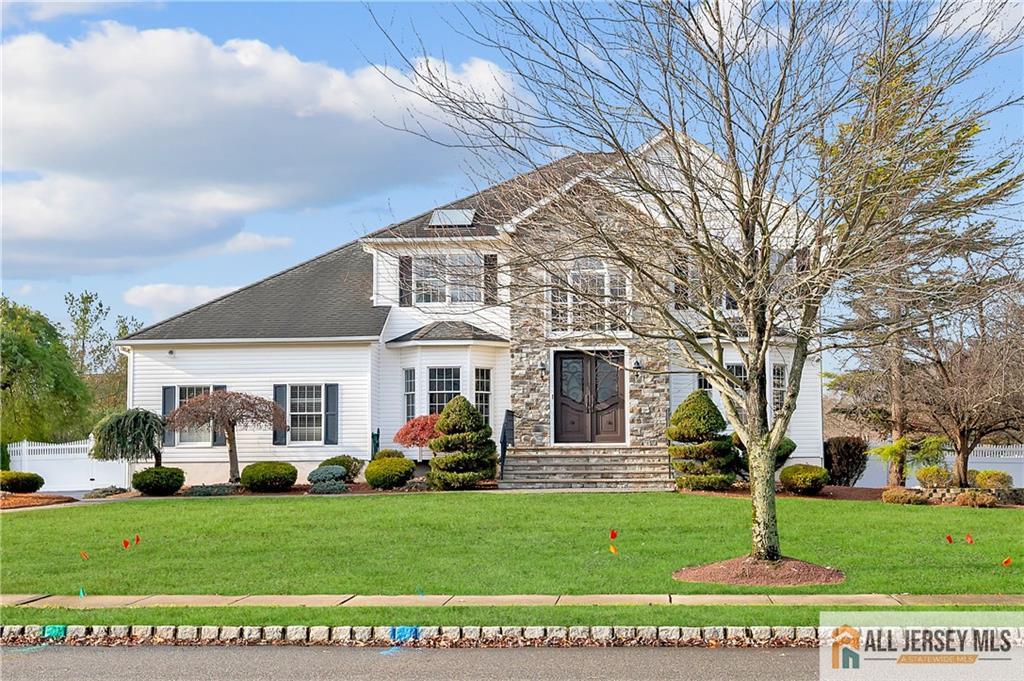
(417, 637)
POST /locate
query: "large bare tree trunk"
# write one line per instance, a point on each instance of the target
(233, 475)
(963, 454)
(764, 529)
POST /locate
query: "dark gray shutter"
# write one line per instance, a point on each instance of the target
(218, 435)
(405, 280)
(680, 284)
(281, 397)
(491, 279)
(169, 403)
(331, 414)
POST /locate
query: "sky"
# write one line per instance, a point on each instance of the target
(162, 154)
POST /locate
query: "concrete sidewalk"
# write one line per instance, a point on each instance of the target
(433, 600)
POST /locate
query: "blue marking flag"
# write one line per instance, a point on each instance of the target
(403, 634)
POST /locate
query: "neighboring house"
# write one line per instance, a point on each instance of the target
(359, 339)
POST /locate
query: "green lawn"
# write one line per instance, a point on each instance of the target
(473, 543)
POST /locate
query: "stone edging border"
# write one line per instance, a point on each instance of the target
(417, 637)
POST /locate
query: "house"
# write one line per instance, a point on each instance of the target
(356, 341)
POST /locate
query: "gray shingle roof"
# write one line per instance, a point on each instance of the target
(447, 331)
(326, 297)
(497, 205)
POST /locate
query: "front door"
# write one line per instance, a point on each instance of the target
(590, 401)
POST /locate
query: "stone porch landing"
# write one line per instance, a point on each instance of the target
(587, 467)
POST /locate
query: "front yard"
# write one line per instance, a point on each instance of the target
(477, 543)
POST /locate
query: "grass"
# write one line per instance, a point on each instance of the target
(655, 615)
(475, 543)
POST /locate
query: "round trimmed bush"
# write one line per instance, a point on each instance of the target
(159, 481)
(269, 476)
(389, 454)
(327, 474)
(696, 419)
(902, 495)
(741, 462)
(846, 458)
(976, 499)
(464, 453)
(993, 480)
(933, 476)
(389, 472)
(803, 479)
(20, 482)
(328, 487)
(710, 482)
(351, 464)
(223, 489)
(972, 477)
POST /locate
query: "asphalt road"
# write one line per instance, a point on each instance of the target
(166, 663)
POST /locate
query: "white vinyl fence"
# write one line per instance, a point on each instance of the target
(1007, 458)
(66, 467)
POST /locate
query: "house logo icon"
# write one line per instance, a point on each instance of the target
(845, 648)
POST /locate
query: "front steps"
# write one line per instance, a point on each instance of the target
(628, 468)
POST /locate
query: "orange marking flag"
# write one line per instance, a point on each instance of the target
(969, 539)
(611, 547)
(1007, 562)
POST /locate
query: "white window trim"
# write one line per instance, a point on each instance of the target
(323, 416)
(570, 305)
(772, 389)
(177, 403)
(446, 284)
(462, 383)
(489, 393)
(406, 393)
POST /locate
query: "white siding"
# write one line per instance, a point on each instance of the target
(255, 369)
(805, 428)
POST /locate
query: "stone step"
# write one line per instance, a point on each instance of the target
(597, 460)
(587, 483)
(582, 463)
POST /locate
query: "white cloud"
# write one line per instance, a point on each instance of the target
(997, 19)
(18, 13)
(165, 300)
(143, 145)
(249, 242)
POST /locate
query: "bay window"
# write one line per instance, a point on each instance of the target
(443, 385)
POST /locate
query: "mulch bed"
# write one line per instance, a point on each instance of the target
(749, 572)
(28, 500)
(828, 492)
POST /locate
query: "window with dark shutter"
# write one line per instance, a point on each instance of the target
(281, 398)
(169, 402)
(405, 280)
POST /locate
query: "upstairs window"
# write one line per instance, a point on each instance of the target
(595, 297)
(453, 278)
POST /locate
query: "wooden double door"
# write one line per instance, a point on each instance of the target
(589, 397)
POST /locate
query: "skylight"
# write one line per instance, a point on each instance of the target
(452, 218)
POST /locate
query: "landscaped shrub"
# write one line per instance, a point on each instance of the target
(390, 454)
(218, 490)
(902, 495)
(464, 451)
(389, 473)
(741, 464)
(972, 477)
(709, 482)
(994, 480)
(934, 476)
(328, 487)
(104, 492)
(351, 464)
(20, 482)
(845, 459)
(327, 474)
(706, 459)
(159, 481)
(803, 479)
(417, 431)
(976, 499)
(269, 476)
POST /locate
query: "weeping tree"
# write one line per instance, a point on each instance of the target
(130, 435)
(227, 411)
(688, 161)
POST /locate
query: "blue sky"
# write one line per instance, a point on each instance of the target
(167, 163)
(341, 36)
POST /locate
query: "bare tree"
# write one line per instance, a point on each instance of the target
(722, 182)
(226, 411)
(968, 383)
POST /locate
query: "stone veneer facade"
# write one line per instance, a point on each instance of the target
(648, 402)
